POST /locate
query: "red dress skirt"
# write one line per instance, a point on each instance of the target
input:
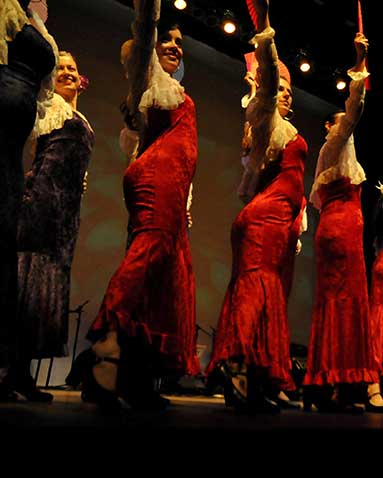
(253, 323)
(376, 308)
(340, 346)
(152, 293)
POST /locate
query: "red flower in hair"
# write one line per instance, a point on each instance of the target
(84, 83)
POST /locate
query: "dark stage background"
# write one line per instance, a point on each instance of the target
(93, 31)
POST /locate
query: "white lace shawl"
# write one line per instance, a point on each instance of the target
(270, 132)
(56, 115)
(48, 82)
(12, 20)
(337, 157)
(148, 84)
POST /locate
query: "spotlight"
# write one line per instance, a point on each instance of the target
(340, 80)
(340, 84)
(180, 4)
(228, 23)
(304, 62)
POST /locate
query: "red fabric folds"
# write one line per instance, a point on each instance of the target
(376, 308)
(340, 346)
(152, 293)
(253, 323)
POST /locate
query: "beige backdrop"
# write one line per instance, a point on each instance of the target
(93, 31)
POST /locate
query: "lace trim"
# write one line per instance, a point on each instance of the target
(129, 142)
(56, 115)
(163, 92)
(245, 100)
(355, 173)
(267, 34)
(282, 133)
(271, 132)
(358, 75)
(337, 157)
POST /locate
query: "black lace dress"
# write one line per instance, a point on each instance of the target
(30, 59)
(48, 230)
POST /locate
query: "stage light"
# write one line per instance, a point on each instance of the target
(340, 80)
(340, 84)
(304, 62)
(180, 4)
(228, 24)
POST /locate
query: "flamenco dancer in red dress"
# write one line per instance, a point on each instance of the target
(252, 339)
(374, 400)
(340, 350)
(145, 327)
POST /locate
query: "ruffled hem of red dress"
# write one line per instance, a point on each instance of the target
(331, 377)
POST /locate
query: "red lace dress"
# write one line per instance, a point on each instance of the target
(376, 308)
(253, 324)
(340, 349)
(152, 293)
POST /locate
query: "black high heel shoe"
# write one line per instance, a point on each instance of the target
(22, 382)
(287, 404)
(81, 375)
(81, 364)
(310, 396)
(7, 394)
(234, 393)
(324, 403)
(136, 387)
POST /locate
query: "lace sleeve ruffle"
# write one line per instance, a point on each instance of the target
(55, 115)
(12, 20)
(271, 132)
(129, 142)
(337, 157)
(163, 92)
(148, 84)
(348, 169)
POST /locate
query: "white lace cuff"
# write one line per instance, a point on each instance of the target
(55, 116)
(267, 34)
(129, 141)
(163, 92)
(358, 75)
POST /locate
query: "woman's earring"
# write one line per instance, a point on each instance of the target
(289, 115)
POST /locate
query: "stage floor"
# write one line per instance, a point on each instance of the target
(187, 412)
(193, 426)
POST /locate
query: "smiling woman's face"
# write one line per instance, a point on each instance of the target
(67, 78)
(169, 50)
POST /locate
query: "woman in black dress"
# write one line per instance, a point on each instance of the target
(49, 224)
(27, 61)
